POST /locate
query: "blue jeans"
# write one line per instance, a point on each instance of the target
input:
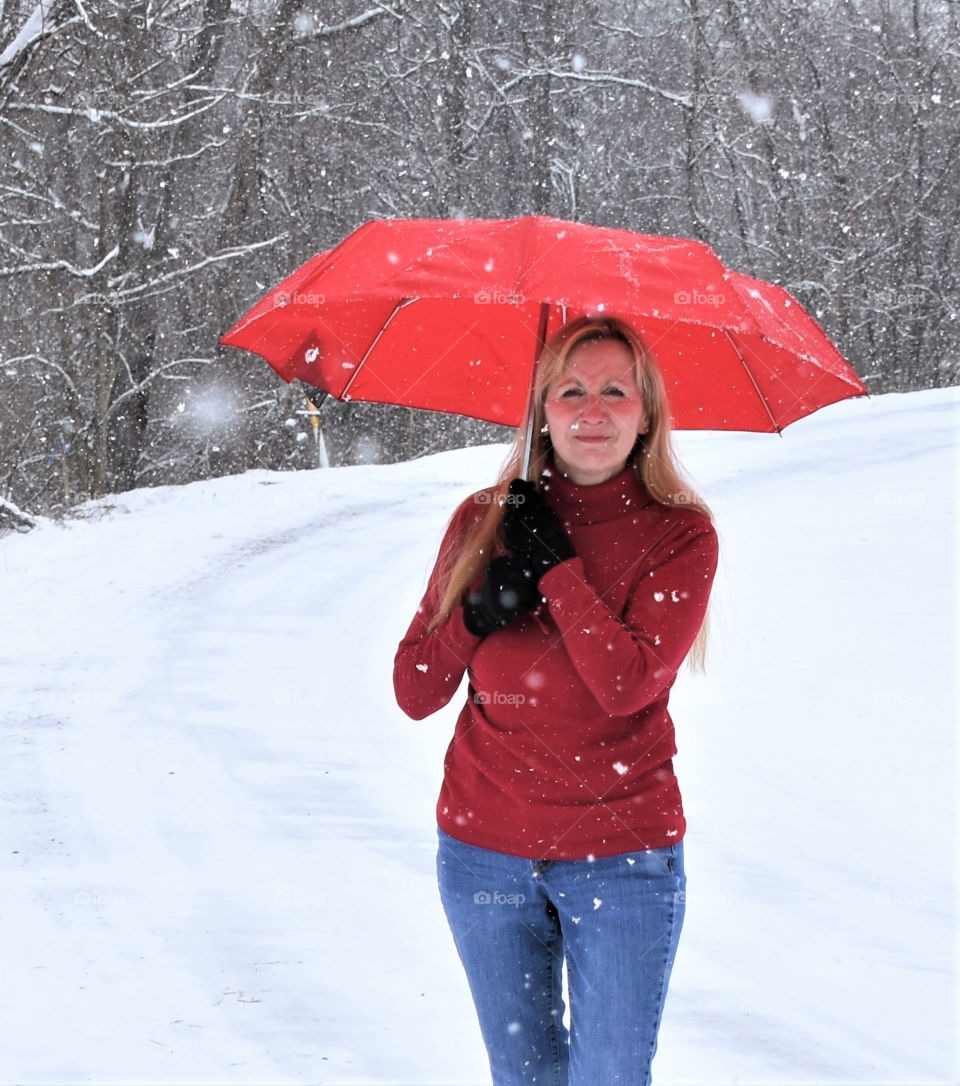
(617, 922)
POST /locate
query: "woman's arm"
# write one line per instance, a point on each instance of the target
(428, 667)
(628, 663)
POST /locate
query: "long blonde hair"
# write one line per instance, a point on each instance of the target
(654, 460)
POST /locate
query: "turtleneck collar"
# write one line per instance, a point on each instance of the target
(617, 497)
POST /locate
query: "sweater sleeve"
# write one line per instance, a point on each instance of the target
(628, 663)
(428, 667)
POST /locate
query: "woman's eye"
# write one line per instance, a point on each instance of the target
(569, 393)
(615, 392)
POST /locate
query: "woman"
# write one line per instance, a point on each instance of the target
(572, 604)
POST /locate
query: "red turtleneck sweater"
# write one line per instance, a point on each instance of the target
(564, 747)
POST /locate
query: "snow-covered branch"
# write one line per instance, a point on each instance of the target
(237, 252)
(38, 25)
(7, 508)
(600, 78)
(156, 372)
(60, 265)
(97, 116)
(134, 162)
(321, 30)
(51, 364)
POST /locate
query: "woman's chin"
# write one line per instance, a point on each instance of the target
(589, 467)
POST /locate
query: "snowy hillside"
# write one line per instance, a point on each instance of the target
(217, 830)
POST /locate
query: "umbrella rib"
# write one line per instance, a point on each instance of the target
(402, 304)
(756, 388)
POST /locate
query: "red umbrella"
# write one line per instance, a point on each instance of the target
(450, 315)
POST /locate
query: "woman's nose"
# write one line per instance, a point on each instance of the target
(593, 410)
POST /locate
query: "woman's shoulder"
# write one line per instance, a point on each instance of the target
(665, 533)
(675, 521)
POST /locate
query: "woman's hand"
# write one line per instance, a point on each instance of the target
(532, 530)
(509, 589)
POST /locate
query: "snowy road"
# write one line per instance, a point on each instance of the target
(217, 828)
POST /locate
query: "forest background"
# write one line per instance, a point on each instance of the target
(165, 162)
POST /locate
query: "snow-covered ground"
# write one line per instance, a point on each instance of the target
(217, 836)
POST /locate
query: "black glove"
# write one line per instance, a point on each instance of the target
(509, 589)
(532, 530)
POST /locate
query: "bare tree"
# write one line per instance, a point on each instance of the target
(164, 162)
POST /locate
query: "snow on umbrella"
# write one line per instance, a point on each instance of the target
(451, 314)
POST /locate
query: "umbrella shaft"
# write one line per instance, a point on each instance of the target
(532, 403)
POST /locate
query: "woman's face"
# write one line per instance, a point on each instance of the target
(594, 411)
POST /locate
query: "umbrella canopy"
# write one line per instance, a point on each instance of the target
(450, 315)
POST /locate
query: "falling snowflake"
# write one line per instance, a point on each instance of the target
(758, 106)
